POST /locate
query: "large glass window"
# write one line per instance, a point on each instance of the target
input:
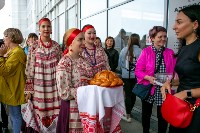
(99, 22)
(89, 7)
(53, 14)
(53, 29)
(71, 2)
(136, 17)
(61, 7)
(114, 2)
(61, 28)
(72, 18)
(53, 2)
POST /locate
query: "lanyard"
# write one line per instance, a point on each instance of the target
(89, 56)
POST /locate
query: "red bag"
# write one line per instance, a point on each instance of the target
(178, 112)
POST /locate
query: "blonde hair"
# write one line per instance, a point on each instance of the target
(14, 34)
(66, 36)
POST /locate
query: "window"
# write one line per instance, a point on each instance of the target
(71, 2)
(61, 28)
(72, 18)
(61, 7)
(99, 22)
(115, 2)
(135, 17)
(53, 30)
(89, 7)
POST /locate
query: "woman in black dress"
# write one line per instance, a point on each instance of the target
(187, 28)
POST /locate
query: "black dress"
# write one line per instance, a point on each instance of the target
(113, 57)
(188, 69)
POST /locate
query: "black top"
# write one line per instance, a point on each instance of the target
(188, 66)
(113, 57)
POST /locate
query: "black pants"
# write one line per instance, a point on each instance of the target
(130, 97)
(146, 115)
(4, 117)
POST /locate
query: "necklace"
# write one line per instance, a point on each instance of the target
(46, 46)
(90, 56)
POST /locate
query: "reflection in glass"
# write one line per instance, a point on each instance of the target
(134, 19)
(89, 7)
(71, 2)
(99, 22)
(61, 7)
(72, 18)
(115, 2)
(61, 28)
(53, 30)
(53, 14)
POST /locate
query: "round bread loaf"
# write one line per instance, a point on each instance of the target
(106, 78)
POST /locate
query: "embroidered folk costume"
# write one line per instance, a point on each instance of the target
(41, 65)
(71, 73)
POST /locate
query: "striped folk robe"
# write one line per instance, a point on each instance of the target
(41, 83)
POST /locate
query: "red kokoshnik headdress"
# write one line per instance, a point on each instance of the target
(43, 19)
(71, 38)
(87, 27)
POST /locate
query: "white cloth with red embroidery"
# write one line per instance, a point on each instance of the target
(91, 101)
(28, 116)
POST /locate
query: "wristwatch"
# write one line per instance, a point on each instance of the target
(189, 93)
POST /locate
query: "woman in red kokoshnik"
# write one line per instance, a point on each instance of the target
(72, 71)
(41, 89)
(98, 60)
(96, 56)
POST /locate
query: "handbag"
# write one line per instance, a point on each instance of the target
(178, 112)
(142, 91)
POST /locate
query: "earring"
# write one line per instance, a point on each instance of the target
(195, 31)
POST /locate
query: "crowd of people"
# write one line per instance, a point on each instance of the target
(46, 77)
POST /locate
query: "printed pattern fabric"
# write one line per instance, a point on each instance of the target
(100, 108)
(41, 83)
(97, 59)
(91, 123)
(157, 97)
(70, 75)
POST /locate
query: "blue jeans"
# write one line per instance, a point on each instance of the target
(16, 118)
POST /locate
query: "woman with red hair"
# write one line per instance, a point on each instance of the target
(72, 71)
(41, 89)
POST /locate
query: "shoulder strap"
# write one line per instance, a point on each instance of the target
(196, 105)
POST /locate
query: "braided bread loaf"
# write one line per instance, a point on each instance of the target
(106, 78)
